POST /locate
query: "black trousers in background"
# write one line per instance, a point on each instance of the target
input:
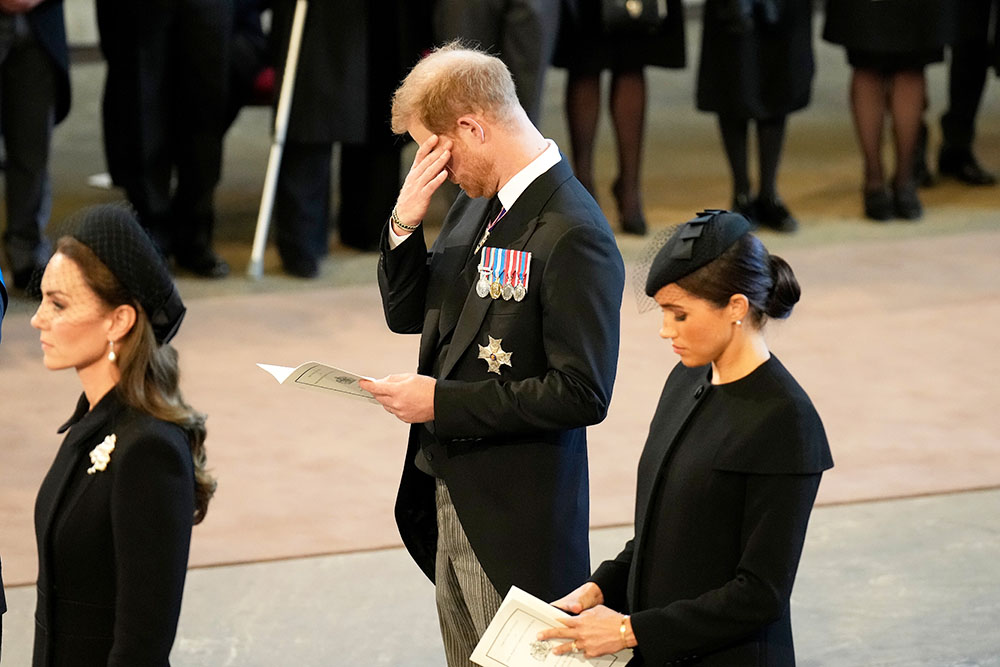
(971, 57)
(164, 108)
(27, 116)
(302, 202)
(369, 184)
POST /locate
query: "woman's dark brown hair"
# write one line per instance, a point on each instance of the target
(149, 372)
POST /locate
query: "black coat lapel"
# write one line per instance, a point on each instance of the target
(72, 457)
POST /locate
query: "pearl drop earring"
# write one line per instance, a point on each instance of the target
(111, 354)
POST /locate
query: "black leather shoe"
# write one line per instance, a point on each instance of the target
(878, 204)
(635, 226)
(961, 164)
(204, 263)
(634, 222)
(771, 212)
(906, 204)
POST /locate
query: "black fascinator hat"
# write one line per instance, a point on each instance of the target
(694, 244)
(113, 233)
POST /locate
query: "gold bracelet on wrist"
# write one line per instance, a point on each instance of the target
(623, 630)
(394, 218)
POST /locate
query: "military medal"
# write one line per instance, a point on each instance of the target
(523, 266)
(494, 355)
(482, 286)
(485, 264)
(496, 287)
(503, 273)
(508, 278)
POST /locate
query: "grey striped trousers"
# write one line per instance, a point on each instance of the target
(466, 600)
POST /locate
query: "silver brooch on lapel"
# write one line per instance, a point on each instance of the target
(100, 456)
(494, 355)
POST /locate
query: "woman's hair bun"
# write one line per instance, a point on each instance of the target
(785, 291)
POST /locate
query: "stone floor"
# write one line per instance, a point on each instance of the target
(902, 583)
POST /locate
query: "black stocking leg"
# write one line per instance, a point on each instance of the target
(628, 113)
(734, 140)
(770, 141)
(868, 105)
(583, 108)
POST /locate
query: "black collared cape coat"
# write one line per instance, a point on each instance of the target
(512, 446)
(726, 483)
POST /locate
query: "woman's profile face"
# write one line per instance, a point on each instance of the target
(72, 320)
(699, 330)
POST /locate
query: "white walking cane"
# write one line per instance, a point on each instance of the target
(256, 266)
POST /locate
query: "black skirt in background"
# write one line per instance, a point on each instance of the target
(584, 47)
(890, 26)
(757, 67)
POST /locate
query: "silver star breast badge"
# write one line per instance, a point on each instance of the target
(494, 355)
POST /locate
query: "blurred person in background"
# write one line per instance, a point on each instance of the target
(889, 45)
(34, 97)
(975, 49)
(756, 66)
(353, 54)
(587, 48)
(164, 108)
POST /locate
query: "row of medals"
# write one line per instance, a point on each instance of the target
(496, 289)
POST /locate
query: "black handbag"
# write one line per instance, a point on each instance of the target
(631, 17)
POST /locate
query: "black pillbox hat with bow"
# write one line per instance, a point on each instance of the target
(113, 233)
(693, 245)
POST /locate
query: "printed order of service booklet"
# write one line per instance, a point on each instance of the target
(509, 641)
(320, 377)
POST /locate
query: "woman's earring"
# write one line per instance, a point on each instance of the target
(739, 323)
(111, 354)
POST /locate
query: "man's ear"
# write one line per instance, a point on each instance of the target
(469, 124)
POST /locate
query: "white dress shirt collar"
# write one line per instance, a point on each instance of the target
(519, 183)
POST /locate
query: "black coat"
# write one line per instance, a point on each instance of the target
(890, 26)
(49, 25)
(113, 545)
(726, 483)
(512, 447)
(343, 66)
(758, 65)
